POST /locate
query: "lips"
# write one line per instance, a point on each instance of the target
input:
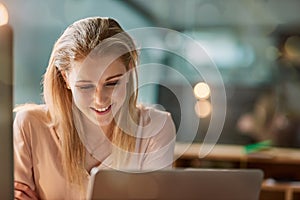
(103, 110)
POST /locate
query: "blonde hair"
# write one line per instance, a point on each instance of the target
(75, 44)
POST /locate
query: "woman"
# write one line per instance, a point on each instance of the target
(90, 117)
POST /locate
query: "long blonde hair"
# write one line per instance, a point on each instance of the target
(77, 41)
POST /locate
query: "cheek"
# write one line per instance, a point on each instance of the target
(119, 94)
(82, 100)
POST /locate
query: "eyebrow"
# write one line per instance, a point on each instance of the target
(107, 79)
(83, 81)
(114, 76)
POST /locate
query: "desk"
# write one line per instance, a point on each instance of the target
(278, 163)
(275, 190)
(236, 153)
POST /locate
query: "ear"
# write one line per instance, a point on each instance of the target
(65, 76)
(131, 64)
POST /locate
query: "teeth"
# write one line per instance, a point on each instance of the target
(102, 109)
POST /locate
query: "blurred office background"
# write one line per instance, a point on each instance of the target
(254, 44)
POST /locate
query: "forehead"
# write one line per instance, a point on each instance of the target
(100, 68)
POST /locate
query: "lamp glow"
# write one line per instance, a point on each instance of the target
(201, 90)
(203, 108)
(3, 15)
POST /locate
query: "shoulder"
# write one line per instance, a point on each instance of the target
(31, 114)
(158, 135)
(147, 112)
(156, 122)
(30, 122)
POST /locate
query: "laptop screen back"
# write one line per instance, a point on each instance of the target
(212, 184)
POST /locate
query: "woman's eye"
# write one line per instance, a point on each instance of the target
(85, 87)
(112, 83)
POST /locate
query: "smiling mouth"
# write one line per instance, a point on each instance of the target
(102, 111)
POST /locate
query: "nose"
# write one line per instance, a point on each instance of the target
(101, 95)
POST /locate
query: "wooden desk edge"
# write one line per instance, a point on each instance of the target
(236, 153)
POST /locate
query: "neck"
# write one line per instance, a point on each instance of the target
(93, 132)
(107, 130)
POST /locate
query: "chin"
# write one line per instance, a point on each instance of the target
(104, 121)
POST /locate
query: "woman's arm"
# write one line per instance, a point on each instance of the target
(23, 192)
(23, 168)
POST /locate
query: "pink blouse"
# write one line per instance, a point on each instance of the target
(37, 151)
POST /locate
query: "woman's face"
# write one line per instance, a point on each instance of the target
(98, 87)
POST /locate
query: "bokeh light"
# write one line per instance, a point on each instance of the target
(3, 15)
(203, 108)
(201, 90)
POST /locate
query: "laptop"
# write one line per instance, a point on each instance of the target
(185, 184)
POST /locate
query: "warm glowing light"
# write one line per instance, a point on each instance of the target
(292, 48)
(201, 90)
(203, 108)
(3, 15)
